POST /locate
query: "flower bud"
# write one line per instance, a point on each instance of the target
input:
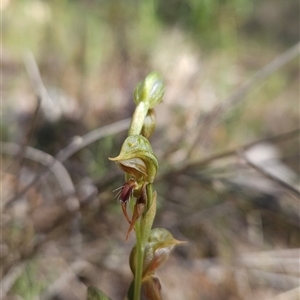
(149, 124)
(150, 91)
(137, 159)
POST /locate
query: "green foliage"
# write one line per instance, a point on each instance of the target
(211, 22)
(81, 29)
(95, 294)
(30, 284)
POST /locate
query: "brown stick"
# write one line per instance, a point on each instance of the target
(204, 161)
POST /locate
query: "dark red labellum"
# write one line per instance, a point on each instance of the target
(127, 190)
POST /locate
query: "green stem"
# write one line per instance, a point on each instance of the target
(138, 119)
(136, 125)
(149, 195)
(139, 262)
(141, 241)
(145, 230)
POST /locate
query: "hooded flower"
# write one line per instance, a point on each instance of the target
(137, 159)
(157, 250)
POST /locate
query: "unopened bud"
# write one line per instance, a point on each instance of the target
(149, 124)
(150, 91)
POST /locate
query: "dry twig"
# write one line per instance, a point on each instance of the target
(268, 175)
(60, 172)
(78, 144)
(232, 152)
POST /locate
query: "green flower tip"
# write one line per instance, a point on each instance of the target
(150, 91)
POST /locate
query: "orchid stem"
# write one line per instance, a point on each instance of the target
(139, 262)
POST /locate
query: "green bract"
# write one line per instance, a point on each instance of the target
(137, 159)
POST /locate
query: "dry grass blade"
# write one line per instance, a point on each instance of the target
(48, 107)
(60, 283)
(277, 180)
(275, 280)
(207, 214)
(262, 74)
(10, 278)
(40, 91)
(292, 294)
(214, 117)
(232, 152)
(278, 260)
(91, 137)
(47, 160)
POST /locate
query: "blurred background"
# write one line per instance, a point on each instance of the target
(227, 141)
